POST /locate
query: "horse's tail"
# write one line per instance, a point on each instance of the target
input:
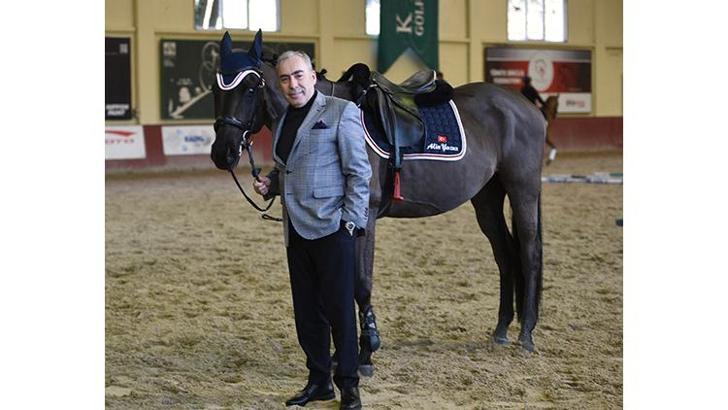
(519, 279)
(539, 249)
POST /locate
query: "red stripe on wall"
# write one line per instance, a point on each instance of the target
(587, 134)
(156, 158)
(569, 134)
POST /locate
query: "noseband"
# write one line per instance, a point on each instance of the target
(245, 128)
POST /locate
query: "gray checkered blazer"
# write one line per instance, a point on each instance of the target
(326, 177)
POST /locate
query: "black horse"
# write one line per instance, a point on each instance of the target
(505, 140)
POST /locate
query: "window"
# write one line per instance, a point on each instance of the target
(537, 20)
(237, 14)
(372, 17)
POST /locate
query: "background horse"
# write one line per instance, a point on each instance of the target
(549, 109)
(505, 137)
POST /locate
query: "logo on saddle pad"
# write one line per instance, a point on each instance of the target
(443, 140)
(441, 146)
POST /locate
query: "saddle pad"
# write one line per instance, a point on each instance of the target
(444, 138)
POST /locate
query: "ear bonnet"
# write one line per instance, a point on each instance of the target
(234, 64)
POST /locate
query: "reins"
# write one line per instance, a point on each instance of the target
(254, 172)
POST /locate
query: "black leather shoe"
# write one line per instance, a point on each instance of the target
(312, 392)
(350, 399)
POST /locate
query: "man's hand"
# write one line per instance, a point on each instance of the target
(263, 186)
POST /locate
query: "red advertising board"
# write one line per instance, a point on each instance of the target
(566, 73)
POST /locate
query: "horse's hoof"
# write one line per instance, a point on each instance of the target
(500, 340)
(527, 345)
(366, 370)
(500, 336)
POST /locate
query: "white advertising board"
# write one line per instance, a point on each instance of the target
(125, 142)
(187, 139)
(572, 102)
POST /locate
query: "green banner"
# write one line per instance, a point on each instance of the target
(407, 24)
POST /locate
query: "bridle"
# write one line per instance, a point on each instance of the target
(230, 120)
(247, 140)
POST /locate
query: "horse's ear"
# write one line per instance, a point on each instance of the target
(226, 44)
(256, 50)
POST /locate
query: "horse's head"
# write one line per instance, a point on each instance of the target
(239, 100)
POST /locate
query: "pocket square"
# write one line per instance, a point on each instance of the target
(320, 125)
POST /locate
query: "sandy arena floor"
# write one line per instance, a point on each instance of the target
(198, 305)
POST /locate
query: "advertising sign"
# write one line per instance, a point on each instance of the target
(187, 140)
(118, 79)
(188, 72)
(563, 72)
(125, 142)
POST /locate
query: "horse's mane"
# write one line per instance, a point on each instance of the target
(321, 75)
(269, 57)
(355, 79)
(272, 59)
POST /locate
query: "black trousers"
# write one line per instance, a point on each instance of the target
(322, 284)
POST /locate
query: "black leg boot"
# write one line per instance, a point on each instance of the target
(350, 399)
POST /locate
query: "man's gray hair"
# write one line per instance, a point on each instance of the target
(292, 53)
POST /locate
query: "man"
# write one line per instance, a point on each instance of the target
(529, 92)
(532, 94)
(322, 174)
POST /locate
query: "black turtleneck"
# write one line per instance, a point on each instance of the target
(294, 118)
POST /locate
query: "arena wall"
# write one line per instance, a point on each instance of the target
(337, 28)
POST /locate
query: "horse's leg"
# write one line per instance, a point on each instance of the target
(488, 204)
(526, 204)
(369, 340)
(552, 151)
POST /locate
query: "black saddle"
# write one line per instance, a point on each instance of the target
(421, 82)
(396, 106)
